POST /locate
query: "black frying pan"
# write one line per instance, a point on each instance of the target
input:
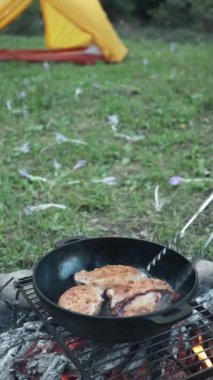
(53, 275)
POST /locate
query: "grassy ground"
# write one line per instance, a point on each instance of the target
(162, 91)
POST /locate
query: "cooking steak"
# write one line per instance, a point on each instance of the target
(120, 292)
(140, 304)
(136, 298)
(82, 299)
(109, 275)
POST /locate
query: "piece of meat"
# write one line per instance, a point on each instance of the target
(140, 304)
(119, 292)
(82, 299)
(109, 275)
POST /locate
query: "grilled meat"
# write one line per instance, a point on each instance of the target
(139, 304)
(136, 298)
(82, 299)
(109, 275)
(120, 292)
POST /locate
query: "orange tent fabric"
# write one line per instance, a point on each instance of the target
(71, 28)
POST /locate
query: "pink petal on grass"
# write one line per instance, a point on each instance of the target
(79, 164)
(60, 139)
(175, 181)
(23, 173)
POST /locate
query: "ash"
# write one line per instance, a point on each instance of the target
(206, 300)
(28, 353)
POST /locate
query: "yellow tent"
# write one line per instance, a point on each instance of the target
(73, 29)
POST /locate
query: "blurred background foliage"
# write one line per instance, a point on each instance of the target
(28, 23)
(194, 14)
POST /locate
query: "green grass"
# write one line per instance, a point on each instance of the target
(169, 101)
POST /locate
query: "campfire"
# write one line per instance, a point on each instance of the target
(202, 355)
(38, 348)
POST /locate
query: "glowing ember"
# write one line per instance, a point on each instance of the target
(199, 351)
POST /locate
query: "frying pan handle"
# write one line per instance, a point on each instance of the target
(174, 315)
(68, 240)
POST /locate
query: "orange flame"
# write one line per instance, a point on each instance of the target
(200, 352)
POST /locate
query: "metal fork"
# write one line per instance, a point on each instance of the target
(180, 234)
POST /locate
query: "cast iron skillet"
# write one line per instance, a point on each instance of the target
(53, 274)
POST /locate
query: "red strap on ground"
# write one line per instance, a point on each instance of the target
(77, 56)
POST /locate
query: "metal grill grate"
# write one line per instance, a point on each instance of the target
(142, 360)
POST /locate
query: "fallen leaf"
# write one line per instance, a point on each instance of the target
(46, 65)
(25, 148)
(17, 111)
(158, 204)
(145, 62)
(96, 85)
(206, 120)
(25, 113)
(30, 209)
(24, 173)
(125, 161)
(173, 46)
(22, 95)
(56, 164)
(110, 181)
(36, 128)
(113, 120)
(130, 138)
(60, 139)
(74, 182)
(9, 103)
(78, 92)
